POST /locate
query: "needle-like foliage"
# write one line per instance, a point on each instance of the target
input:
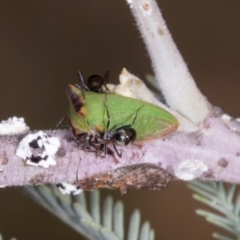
(1, 238)
(102, 223)
(223, 200)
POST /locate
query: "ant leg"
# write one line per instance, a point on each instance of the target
(60, 123)
(107, 127)
(119, 154)
(105, 149)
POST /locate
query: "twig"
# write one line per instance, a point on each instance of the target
(175, 81)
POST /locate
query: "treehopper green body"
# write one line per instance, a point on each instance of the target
(88, 113)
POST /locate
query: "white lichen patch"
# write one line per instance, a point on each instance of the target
(190, 169)
(38, 149)
(232, 123)
(226, 118)
(13, 126)
(68, 188)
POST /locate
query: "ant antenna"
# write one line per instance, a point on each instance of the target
(82, 81)
(82, 84)
(60, 123)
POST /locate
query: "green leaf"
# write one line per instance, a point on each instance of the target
(218, 220)
(222, 237)
(134, 225)
(95, 205)
(145, 231)
(221, 192)
(213, 204)
(81, 199)
(118, 220)
(81, 212)
(93, 228)
(152, 235)
(109, 235)
(65, 201)
(198, 185)
(73, 211)
(231, 193)
(107, 212)
(217, 197)
(152, 81)
(237, 206)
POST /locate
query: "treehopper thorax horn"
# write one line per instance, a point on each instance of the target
(77, 112)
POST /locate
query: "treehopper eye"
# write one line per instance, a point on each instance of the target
(104, 118)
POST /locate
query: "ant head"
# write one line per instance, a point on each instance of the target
(95, 83)
(124, 135)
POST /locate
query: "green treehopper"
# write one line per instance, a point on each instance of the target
(97, 117)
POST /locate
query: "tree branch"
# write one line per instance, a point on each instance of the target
(207, 145)
(175, 81)
(207, 154)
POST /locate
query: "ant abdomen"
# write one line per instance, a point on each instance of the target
(124, 136)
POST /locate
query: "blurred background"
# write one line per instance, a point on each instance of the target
(44, 43)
